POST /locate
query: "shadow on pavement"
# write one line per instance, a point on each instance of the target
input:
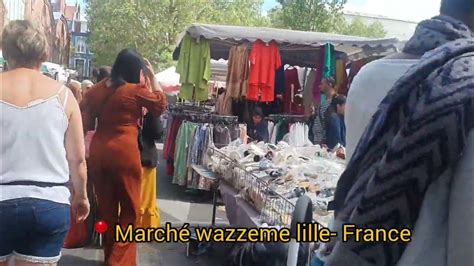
(72, 260)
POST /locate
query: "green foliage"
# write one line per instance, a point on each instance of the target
(321, 16)
(358, 28)
(308, 15)
(152, 27)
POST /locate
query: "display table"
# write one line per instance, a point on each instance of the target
(239, 212)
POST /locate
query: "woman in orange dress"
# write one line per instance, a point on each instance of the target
(114, 159)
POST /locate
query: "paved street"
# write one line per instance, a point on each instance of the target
(177, 207)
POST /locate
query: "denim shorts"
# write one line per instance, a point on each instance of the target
(33, 230)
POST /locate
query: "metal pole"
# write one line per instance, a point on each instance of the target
(214, 204)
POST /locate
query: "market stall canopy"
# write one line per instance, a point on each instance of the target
(296, 47)
(219, 70)
(168, 80)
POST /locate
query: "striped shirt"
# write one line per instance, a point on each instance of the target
(319, 129)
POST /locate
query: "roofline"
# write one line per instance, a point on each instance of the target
(361, 14)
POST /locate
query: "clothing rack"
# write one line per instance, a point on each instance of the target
(203, 116)
(184, 107)
(288, 118)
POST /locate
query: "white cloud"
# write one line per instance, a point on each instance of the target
(414, 10)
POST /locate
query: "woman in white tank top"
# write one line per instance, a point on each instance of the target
(42, 146)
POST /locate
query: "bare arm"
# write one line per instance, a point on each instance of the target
(154, 84)
(75, 154)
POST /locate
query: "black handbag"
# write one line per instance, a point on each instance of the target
(150, 132)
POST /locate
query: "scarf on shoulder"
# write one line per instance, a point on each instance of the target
(418, 132)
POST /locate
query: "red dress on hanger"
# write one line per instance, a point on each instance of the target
(264, 62)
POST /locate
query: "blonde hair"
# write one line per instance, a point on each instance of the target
(86, 83)
(75, 87)
(23, 45)
(74, 84)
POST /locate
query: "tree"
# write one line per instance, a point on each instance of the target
(308, 15)
(153, 26)
(321, 16)
(376, 30)
(358, 28)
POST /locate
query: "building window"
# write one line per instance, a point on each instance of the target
(80, 65)
(81, 46)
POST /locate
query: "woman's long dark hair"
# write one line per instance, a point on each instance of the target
(103, 73)
(127, 67)
(332, 109)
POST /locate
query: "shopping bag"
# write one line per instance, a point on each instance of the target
(88, 140)
(78, 235)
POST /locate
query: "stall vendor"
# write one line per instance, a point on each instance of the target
(259, 127)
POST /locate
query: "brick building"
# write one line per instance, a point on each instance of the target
(3, 15)
(54, 25)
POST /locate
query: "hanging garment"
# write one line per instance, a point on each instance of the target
(298, 136)
(171, 140)
(237, 78)
(280, 81)
(308, 101)
(302, 75)
(329, 61)
(221, 106)
(319, 76)
(264, 61)
(194, 67)
(184, 137)
(195, 152)
(271, 126)
(166, 146)
(341, 77)
(283, 129)
(319, 124)
(292, 84)
(238, 71)
(436, 96)
(273, 136)
(243, 133)
(329, 69)
(222, 136)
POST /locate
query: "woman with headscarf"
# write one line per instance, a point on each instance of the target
(412, 167)
(318, 125)
(114, 159)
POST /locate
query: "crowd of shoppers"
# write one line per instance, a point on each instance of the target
(410, 148)
(44, 174)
